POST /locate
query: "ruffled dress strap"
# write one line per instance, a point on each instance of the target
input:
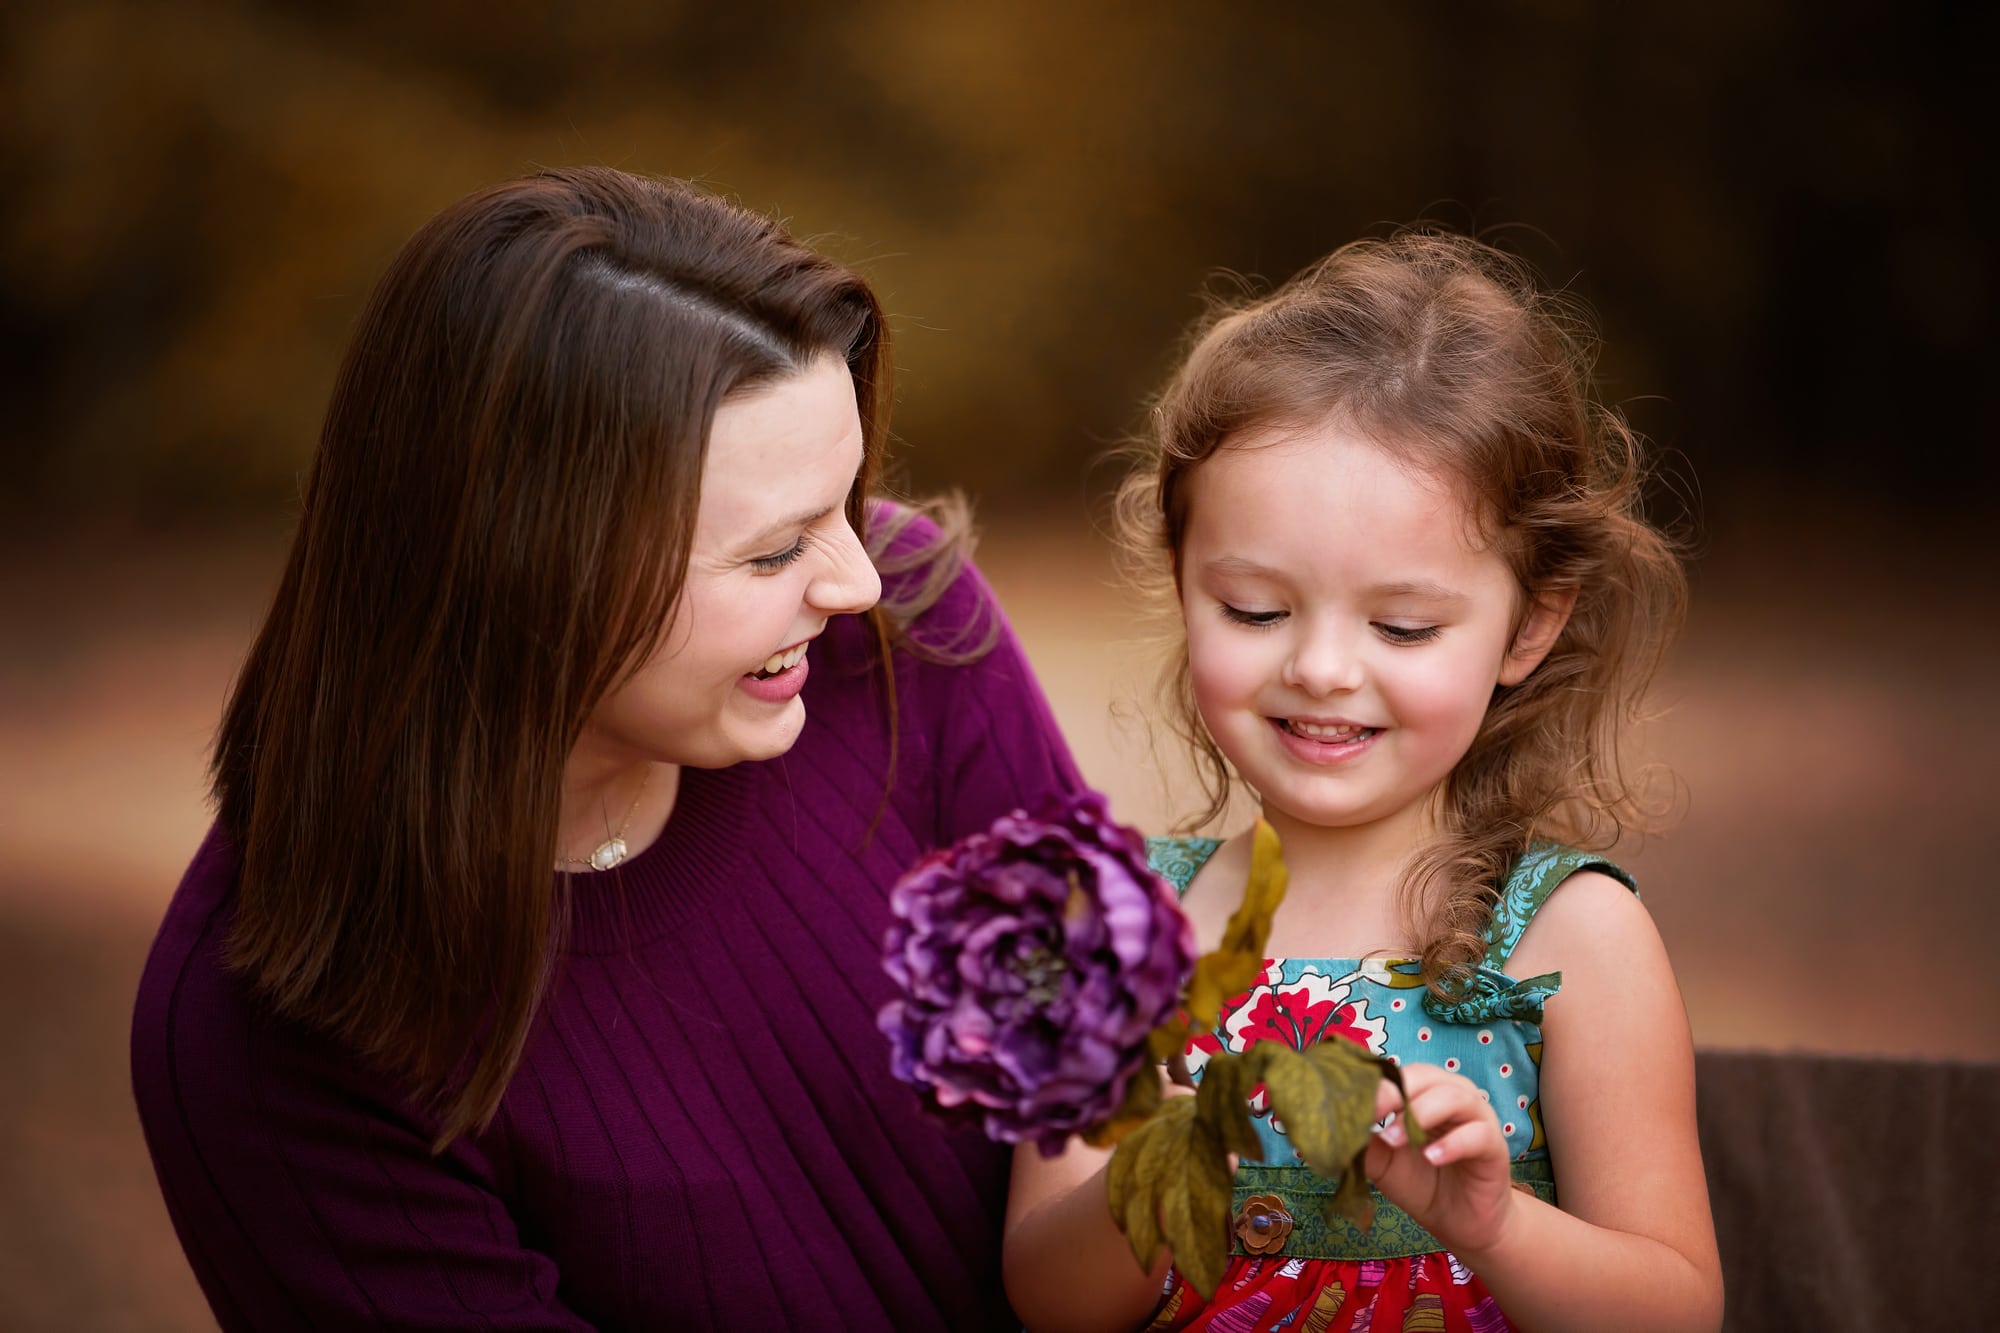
(1535, 876)
(1490, 994)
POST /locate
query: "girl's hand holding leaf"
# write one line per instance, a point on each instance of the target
(1455, 1180)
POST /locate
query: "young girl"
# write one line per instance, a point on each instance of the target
(1419, 599)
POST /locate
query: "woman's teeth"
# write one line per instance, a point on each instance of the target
(1314, 731)
(784, 661)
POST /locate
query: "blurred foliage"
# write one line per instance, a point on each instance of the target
(1781, 212)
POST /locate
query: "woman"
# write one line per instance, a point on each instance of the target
(528, 976)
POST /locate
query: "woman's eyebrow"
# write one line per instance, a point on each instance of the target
(783, 526)
(801, 520)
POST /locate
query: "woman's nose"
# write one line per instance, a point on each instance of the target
(847, 581)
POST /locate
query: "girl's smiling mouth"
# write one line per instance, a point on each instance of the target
(1330, 742)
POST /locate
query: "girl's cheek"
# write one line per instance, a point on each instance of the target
(1441, 683)
(1221, 671)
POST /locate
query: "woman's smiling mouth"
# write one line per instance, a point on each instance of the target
(781, 677)
(781, 661)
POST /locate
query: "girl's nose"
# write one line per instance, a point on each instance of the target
(847, 581)
(1323, 662)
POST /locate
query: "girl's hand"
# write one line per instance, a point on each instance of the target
(1458, 1185)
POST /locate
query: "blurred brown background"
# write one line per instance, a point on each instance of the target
(1782, 213)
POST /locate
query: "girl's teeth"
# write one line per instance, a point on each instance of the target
(1314, 731)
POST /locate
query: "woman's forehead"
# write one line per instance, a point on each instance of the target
(780, 453)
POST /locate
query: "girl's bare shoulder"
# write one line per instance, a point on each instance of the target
(1596, 932)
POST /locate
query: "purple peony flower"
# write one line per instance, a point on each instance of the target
(1034, 959)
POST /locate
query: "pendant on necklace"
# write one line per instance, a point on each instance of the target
(608, 854)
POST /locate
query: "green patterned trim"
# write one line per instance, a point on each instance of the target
(1179, 860)
(1489, 996)
(1319, 1233)
(1534, 877)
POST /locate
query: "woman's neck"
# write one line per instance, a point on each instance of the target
(612, 797)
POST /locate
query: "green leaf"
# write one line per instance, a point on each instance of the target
(1194, 1211)
(1133, 1178)
(1223, 1103)
(1167, 1040)
(1142, 1098)
(1352, 1198)
(1234, 964)
(1412, 1130)
(1326, 1097)
(1168, 1181)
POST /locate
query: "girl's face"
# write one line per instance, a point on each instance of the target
(773, 558)
(1346, 627)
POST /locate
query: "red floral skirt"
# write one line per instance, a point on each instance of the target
(1427, 1293)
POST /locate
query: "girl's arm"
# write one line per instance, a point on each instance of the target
(1067, 1266)
(1633, 1245)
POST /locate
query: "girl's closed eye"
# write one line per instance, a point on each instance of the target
(1255, 619)
(1408, 633)
(771, 564)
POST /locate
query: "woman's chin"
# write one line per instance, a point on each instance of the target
(769, 737)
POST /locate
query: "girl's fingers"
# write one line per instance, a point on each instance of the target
(1376, 1158)
(1441, 1105)
(1416, 1080)
(1387, 1098)
(1465, 1141)
(1457, 1180)
(1458, 1122)
(1418, 1077)
(1437, 1106)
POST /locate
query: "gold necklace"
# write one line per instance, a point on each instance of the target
(613, 849)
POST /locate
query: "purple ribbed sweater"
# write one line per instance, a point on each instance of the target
(703, 1132)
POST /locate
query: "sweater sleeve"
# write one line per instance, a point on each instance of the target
(303, 1191)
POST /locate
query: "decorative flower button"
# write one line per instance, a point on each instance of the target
(1262, 1224)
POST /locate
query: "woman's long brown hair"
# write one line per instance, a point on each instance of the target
(495, 526)
(1442, 351)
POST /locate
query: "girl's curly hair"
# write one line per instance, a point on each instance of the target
(1441, 350)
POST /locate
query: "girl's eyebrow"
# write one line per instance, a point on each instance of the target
(1236, 564)
(1421, 588)
(1424, 589)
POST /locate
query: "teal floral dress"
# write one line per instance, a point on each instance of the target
(1294, 1266)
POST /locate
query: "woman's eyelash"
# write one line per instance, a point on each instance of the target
(1409, 634)
(771, 564)
(1256, 619)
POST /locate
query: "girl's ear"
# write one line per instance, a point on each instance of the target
(1548, 612)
